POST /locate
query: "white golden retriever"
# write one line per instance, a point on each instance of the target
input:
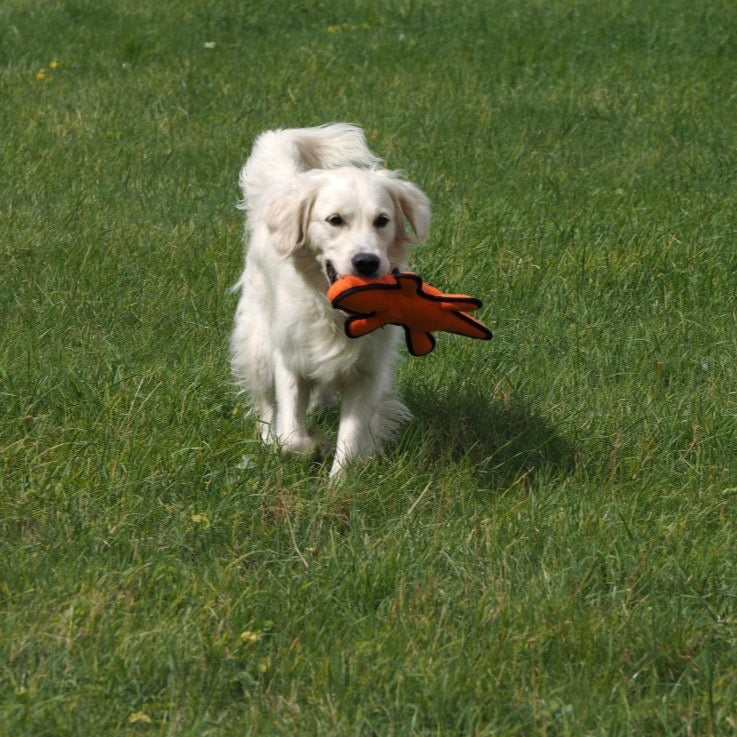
(319, 207)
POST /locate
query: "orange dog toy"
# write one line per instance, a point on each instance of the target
(403, 299)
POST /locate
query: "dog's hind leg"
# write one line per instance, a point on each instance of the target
(292, 398)
(265, 413)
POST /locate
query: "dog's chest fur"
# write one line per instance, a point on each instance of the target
(310, 335)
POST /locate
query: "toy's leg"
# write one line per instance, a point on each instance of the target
(356, 436)
(292, 397)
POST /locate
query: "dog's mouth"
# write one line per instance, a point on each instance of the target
(332, 274)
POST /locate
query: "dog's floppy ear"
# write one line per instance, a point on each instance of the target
(287, 215)
(413, 204)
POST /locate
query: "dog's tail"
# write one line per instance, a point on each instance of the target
(279, 155)
(391, 414)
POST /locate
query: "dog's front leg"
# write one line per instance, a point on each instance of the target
(356, 439)
(292, 396)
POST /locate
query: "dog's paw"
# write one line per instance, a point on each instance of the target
(337, 473)
(298, 444)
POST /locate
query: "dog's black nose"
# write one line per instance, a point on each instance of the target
(366, 264)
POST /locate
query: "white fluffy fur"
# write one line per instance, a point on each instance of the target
(288, 346)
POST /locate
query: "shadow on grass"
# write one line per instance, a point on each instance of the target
(504, 438)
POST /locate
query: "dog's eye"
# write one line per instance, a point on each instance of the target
(335, 220)
(381, 221)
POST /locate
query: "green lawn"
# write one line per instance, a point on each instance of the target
(550, 549)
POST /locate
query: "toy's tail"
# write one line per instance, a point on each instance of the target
(279, 155)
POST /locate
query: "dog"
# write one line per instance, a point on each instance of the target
(319, 206)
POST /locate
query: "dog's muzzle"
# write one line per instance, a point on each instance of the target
(330, 271)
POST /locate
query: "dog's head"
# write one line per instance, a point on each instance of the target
(348, 221)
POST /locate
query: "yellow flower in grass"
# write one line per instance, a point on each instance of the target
(54, 64)
(250, 638)
(40, 75)
(343, 27)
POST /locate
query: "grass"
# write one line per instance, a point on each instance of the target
(550, 548)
